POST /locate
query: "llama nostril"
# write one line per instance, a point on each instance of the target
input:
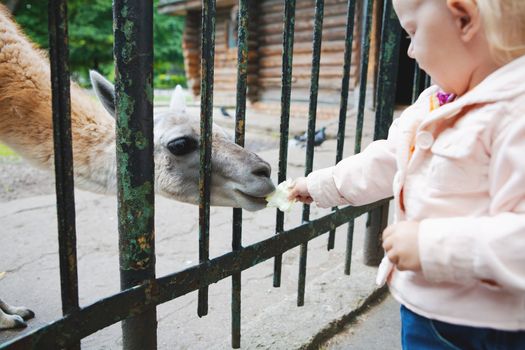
(262, 171)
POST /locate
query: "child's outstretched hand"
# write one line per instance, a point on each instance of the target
(299, 191)
(400, 242)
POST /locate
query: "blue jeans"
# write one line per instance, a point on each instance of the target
(421, 333)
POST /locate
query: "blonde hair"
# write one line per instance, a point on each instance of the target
(504, 23)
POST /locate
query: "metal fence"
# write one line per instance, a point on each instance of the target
(141, 291)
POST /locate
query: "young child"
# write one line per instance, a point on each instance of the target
(455, 164)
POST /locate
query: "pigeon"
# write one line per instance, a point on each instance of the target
(319, 138)
(225, 112)
(301, 138)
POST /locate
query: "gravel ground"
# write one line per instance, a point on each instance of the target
(18, 179)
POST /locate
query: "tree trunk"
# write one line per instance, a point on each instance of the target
(12, 5)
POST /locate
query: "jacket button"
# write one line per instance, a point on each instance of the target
(424, 140)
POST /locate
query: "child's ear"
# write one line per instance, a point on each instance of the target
(466, 15)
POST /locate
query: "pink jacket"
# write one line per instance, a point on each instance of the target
(465, 184)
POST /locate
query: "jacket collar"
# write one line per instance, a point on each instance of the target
(504, 83)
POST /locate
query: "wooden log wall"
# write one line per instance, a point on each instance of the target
(226, 57)
(191, 47)
(332, 55)
(225, 82)
(265, 55)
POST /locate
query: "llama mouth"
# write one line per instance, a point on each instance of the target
(251, 198)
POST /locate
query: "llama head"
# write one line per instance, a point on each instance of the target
(240, 178)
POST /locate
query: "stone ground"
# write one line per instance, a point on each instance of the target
(270, 317)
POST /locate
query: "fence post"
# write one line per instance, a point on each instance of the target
(286, 93)
(386, 88)
(240, 133)
(63, 150)
(205, 153)
(133, 26)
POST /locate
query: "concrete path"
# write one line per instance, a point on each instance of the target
(270, 317)
(376, 329)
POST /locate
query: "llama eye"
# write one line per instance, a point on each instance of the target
(182, 146)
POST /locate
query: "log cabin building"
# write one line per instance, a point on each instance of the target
(265, 41)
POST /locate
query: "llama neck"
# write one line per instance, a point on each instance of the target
(25, 114)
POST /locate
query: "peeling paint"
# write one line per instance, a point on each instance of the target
(135, 168)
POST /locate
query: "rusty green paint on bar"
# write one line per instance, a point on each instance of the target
(287, 59)
(135, 192)
(343, 103)
(363, 72)
(141, 291)
(240, 118)
(60, 82)
(386, 92)
(207, 70)
(133, 26)
(312, 115)
(131, 302)
(137, 254)
(387, 74)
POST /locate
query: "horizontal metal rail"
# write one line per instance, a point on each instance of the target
(142, 298)
(142, 292)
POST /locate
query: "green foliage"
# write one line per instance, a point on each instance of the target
(91, 39)
(32, 17)
(168, 81)
(6, 151)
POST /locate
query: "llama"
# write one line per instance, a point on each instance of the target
(240, 178)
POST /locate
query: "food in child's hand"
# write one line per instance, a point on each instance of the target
(279, 198)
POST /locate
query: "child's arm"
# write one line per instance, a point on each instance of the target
(487, 249)
(356, 180)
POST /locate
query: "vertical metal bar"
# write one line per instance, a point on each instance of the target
(207, 70)
(345, 85)
(60, 82)
(388, 69)
(363, 75)
(133, 30)
(312, 115)
(386, 83)
(288, 41)
(349, 246)
(376, 223)
(428, 81)
(416, 83)
(240, 117)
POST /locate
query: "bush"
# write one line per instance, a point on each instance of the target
(169, 81)
(91, 39)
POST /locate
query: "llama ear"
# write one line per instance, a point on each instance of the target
(178, 100)
(104, 90)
